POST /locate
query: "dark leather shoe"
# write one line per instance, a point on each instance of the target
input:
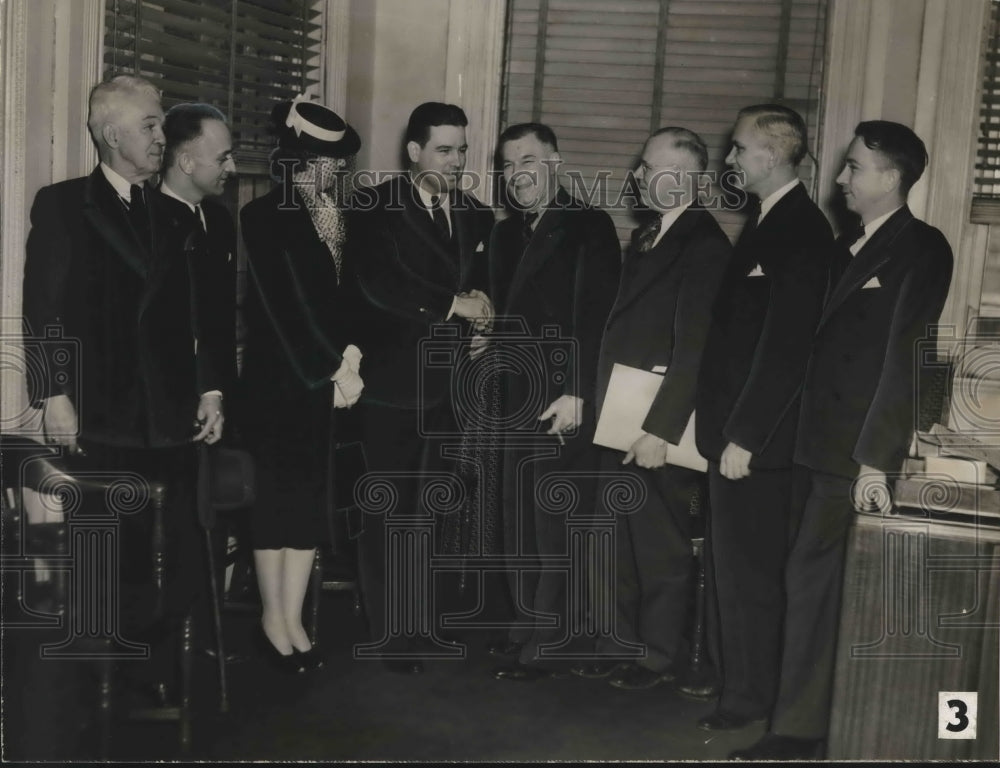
(527, 673)
(634, 677)
(594, 669)
(311, 659)
(698, 691)
(404, 666)
(721, 720)
(287, 664)
(774, 747)
(505, 648)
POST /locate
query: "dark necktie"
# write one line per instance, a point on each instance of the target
(440, 220)
(852, 235)
(752, 210)
(528, 228)
(199, 238)
(199, 222)
(138, 215)
(648, 233)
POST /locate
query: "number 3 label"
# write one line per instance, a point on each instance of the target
(957, 713)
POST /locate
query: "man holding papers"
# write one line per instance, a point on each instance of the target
(658, 325)
(755, 360)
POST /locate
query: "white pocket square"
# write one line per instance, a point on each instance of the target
(479, 248)
(873, 283)
(756, 271)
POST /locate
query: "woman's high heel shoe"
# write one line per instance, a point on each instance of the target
(311, 659)
(289, 665)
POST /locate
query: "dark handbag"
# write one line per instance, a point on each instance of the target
(226, 481)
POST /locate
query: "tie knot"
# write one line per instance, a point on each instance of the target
(135, 194)
(648, 233)
(853, 234)
(752, 208)
(435, 201)
(530, 218)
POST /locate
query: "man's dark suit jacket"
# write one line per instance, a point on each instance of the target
(408, 276)
(762, 332)
(136, 382)
(566, 278)
(212, 264)
(662, 315)
(858, 398)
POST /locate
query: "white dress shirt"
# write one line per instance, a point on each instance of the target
(195, 208)
(870, 229)
(771, 200)
(443, 203)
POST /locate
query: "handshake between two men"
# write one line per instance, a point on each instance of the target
(475, 306)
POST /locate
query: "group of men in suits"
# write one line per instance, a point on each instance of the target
(795, 351)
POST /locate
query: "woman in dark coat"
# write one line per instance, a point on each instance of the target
(299, 362)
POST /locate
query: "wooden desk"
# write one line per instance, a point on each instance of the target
(920, 615)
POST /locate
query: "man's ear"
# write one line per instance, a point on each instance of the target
(185, 162)
(413, 151)
(109, 132)
(772, 157)
(890, 179)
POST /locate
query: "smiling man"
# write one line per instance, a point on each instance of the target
(554, 263)
(197, 163)
(419, 245)
(889, 284)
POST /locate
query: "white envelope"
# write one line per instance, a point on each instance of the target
(873, 283)
(631, 392)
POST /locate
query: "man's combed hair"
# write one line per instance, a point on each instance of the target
(519, 131)
(430, 114)
(783, 126)
(899, 145)
(105, 99)
(689, 141)
(183, 123)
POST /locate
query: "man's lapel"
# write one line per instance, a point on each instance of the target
(165, 248)
(869, 260)
(641, 270)
(107, 215)
(545, 240)
(420, 223)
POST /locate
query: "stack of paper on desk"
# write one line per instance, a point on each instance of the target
(631, 392)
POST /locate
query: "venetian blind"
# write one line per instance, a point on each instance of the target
(604, 75)
(239, 55)
(986, 189)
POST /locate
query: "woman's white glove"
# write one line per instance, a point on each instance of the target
(347, 383)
